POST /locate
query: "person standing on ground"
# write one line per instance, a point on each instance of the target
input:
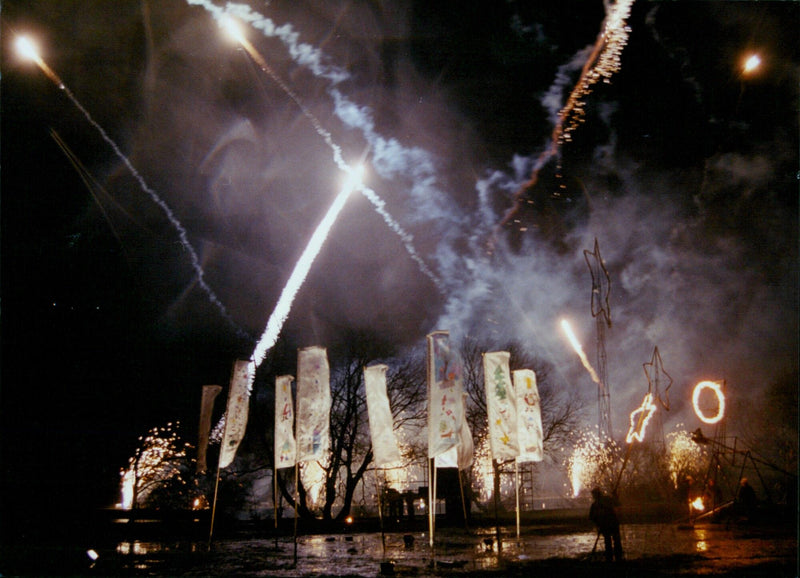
(604, 515)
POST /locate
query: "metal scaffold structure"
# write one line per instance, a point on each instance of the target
(601, 311)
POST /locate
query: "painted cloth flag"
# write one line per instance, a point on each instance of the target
(285, 446)
(445, 400)
(462, 454)
(529, 416)
(313, 404)
(381, 424)
(236, 413)
(500, 405)
(210, 393)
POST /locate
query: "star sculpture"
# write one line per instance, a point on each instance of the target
(639, 418)
(654, 370)
(601, 283)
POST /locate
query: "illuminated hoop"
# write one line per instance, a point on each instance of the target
(715, 387)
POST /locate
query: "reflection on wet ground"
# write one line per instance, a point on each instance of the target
(701, 549)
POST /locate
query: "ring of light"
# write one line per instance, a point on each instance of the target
(715, 387)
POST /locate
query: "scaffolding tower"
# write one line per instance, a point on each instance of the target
(601, 311)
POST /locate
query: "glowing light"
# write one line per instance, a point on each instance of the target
(603, 61)
(697, 504)
(93, 555)
(313, 477)
(717, 389)
(684, 457)
(233, 29)
(348, 520)
(640, 418)
(590, 461)
(579, 350)
(298, 276)
(27, 48)
(751, 64)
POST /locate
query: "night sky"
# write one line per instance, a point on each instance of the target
(685, 169)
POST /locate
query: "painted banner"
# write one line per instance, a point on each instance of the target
(210, 393)
(529, 416)
(500, 405)
(313, 404)
(462, 454)
(379, 412)
(445, 401)
(285, 446)
(236, 412)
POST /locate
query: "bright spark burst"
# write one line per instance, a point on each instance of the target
(590, 461)
(579, 350)
(640, 418)
(684, 457)
(697, 504)
(716, 388)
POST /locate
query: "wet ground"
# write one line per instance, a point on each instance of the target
(666, 549)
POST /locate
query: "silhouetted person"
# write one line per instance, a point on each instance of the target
(604, 515)
(746, 499)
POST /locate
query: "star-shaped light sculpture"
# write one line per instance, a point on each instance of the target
(601, 283)
(654, 370)
(639, 419)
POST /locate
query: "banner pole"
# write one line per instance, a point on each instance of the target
(516, 488)
(296, 498)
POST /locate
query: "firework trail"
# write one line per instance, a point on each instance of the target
(301, 269)
(576, 345)
(312, 58)
(602, 63)
(28, 50)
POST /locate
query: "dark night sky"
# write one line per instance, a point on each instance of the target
(685, 170)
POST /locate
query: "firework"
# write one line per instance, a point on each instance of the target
(603, 62)
(640, 418)
(716, 388)
(684, 457)
(301, 269)
(28, 49)
(590, 463)
(579, 350)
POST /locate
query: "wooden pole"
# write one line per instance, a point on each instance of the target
(516, 489)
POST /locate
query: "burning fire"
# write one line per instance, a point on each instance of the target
(697, 504)
(717, 389)
(639, 424)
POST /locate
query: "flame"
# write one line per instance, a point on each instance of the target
(717, 389)
(697, 504)
(751, 63)
(579, 350)
(639, 425)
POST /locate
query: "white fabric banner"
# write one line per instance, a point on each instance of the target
(313, 404)
(461, 455)
(381, 424)
(529, 416)
(285, 446)
(500, 405)
(210, 393)
(445, 387)
(236, 413)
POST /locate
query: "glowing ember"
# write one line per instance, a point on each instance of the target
(579, 350)
(717, 389)
(640, 418)
(697, 504)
